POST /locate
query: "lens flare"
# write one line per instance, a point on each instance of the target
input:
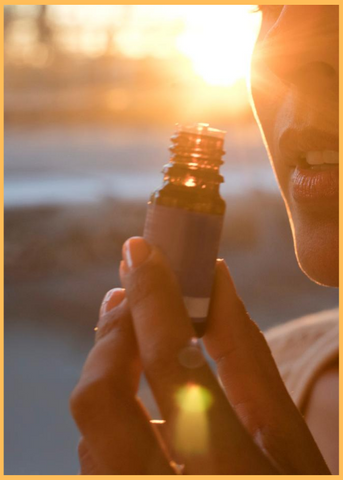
(194, 398)
(191, 427)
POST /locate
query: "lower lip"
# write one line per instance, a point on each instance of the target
(310, 186)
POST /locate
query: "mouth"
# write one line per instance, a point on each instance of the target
(308, 146)
(319, 160)
(313, 158)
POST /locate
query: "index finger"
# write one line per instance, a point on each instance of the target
(184, 386)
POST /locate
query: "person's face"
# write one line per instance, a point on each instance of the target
(294, 85)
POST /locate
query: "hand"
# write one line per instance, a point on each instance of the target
(250, 426)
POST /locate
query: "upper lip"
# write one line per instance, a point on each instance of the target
(295, 143)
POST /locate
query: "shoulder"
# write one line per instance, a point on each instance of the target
(303, 348)
(306, 353)
(321, 414)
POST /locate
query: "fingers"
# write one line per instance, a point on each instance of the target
(205, 431)
(87, 463)
(162, 326)
(114, 425)
(252, 382)
(243, 358)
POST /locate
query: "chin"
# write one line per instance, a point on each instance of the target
(316, 246)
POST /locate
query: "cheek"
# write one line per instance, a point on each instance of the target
(264, 109)
(268, 100)
(315, 234)
(268, 96)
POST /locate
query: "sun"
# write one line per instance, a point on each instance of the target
(219, 40)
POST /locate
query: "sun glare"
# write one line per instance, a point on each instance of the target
(219, 41)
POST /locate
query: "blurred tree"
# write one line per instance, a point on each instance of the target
(44, 30)
(115, 28)
(9, 15)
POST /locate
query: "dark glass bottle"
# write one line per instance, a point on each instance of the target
(185, 215)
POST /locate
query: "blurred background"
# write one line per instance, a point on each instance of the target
(92, 94)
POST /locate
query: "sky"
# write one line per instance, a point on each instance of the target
(217, 39)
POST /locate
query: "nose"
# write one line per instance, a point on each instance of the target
(304, 37)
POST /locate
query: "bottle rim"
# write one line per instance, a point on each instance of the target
(202, 129)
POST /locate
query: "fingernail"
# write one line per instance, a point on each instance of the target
(112, 299)
(135, 251)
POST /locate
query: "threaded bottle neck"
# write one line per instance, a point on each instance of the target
(196, 150)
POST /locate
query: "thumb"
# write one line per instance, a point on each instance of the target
(252, 382)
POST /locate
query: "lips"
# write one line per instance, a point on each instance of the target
(312, 156)
(309, 185)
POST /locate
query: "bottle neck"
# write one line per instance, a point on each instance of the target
(191, 179)
(195, 161)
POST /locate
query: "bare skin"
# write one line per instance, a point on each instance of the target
(294, 87)
(321, 415)
(252, 425)
(254, 428)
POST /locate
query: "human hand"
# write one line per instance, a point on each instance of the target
(250, 427)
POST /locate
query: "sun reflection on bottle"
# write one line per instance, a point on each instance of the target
(190, 182)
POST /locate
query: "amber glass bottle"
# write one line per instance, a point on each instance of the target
(185, 215)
